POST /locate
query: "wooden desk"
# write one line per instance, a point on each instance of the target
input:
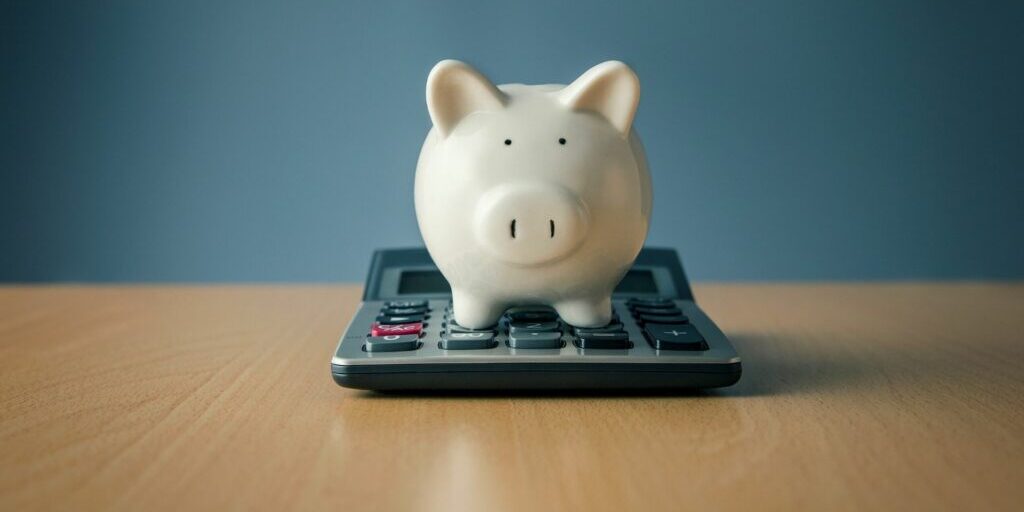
(869, 397)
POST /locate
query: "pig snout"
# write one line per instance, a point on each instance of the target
(530, 224)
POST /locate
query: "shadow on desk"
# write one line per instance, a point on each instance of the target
(776, 366)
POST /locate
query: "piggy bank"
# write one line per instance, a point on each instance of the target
(532, 194)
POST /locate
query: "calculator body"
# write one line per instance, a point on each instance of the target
(659, 338)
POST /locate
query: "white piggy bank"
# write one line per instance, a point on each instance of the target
(532, 194)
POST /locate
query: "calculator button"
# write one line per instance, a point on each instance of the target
(612, 327)
(532, 315)
(389, 329)
(536, 340)
(521, 327)
(468, 340)
(674, 337)
(613, 320)
(604, 340)
(404, 319)
(663, 319)
(650, 303)
(454, 327)
(402, 311)
(526, 309)
(392, 343)
(406, 304)
(641, 310)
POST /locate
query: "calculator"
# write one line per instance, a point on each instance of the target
(404, 337)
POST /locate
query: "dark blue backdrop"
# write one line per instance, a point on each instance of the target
(277, 140)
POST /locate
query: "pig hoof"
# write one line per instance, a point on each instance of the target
(586, 313)
(475, 313)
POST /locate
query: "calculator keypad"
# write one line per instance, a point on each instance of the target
(401, 326)
(539, 327)
(398, 327)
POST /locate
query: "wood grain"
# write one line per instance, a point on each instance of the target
(854, 396)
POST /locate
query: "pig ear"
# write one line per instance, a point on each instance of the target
(610, 89)
(456, 90)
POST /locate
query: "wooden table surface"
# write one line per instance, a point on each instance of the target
(854, 396)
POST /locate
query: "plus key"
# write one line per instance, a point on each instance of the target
(674, 337)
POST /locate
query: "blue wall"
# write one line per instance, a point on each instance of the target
(226, 141)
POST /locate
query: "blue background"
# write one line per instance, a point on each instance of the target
(227, 141)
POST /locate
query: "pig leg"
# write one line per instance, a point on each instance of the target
(587, 312)
(475, 312)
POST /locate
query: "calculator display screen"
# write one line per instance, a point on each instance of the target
(419, 282)
(637, 281)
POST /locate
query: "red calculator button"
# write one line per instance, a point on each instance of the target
(395, 329)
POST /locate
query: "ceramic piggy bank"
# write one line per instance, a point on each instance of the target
(532, 194)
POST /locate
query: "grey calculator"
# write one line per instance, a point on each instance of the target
(403, 336)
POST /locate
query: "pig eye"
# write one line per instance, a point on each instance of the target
(561, 141)
(508, 142)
